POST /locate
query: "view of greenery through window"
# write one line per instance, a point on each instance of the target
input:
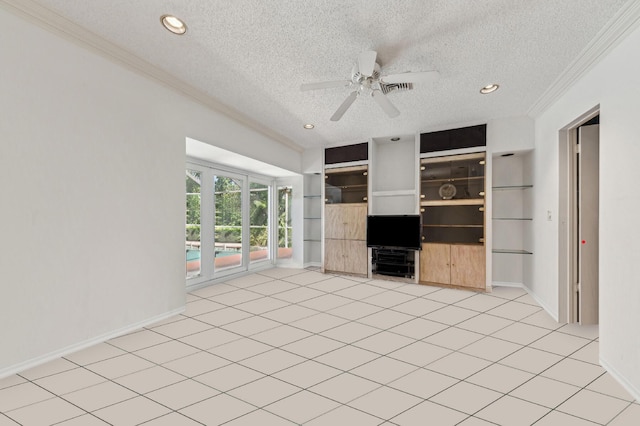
(259, 221)
(284, 222)
(228, 221)
(193, 223)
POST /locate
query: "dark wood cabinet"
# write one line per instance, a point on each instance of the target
(347, 153)
(465, 137)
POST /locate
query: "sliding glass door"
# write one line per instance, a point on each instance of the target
(285, 228)
(259, 229)
(228, 222)
(192, 228)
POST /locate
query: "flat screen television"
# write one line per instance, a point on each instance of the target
(394, 231)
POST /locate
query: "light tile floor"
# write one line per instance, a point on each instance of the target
(287, 346)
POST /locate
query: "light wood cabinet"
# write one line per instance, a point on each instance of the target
(453, 264)
(468, 266)
(334, 255)
(452, 190)
(345, 247)
(435, 263)
(346, 221)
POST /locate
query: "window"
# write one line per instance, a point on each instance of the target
(192, 231)
(227, 222)
(231, 222)
(285, 230)
(258, 222)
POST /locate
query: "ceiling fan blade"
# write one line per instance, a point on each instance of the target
(385, 103)
(345, 106)
(367, 62)
(324, 85)
(411, 77)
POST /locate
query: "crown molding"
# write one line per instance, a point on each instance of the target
(623, 22)
(54, 23)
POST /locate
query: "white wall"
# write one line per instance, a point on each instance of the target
(510, 134)
(92, 162)
(614, 84)
(393, 166)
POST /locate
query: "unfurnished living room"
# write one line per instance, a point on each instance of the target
(322, 213)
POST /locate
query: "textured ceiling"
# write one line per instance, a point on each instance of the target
(253, 55)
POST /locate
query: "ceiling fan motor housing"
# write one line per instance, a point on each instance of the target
(358, 78)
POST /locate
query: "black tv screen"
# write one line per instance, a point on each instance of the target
(397, 231)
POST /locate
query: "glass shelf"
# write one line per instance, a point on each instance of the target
(511, 187)
(312, 196)
(510, 251)
(452, 178)
(346, 185)
(463, 202)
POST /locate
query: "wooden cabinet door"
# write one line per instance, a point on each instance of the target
(334, 221)
(468, 266)
(356, 257)
(355, 219)
(435, 263)
(334, 255)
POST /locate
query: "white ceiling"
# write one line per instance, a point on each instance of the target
(252, 56)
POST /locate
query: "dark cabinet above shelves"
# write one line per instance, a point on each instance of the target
(346, 154)
(466, 137)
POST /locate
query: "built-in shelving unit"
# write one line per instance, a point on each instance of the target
(512, 217)
(453, 220)
(345, 218)
(312, 210)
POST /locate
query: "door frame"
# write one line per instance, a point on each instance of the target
(568, 136)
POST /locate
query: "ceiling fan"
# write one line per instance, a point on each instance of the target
(367, 79)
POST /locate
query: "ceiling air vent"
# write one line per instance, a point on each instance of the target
(395, 87)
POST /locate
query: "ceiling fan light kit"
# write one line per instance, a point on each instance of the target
(367, 78)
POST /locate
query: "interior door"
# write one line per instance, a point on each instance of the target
(588, 219)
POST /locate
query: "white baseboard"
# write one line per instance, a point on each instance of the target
(544, 306)
(629, 387)
(535, 297)
(34, 362)
(506, 284)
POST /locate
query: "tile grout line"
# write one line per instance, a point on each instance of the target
(352, 343)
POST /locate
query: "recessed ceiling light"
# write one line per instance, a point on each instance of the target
(308, 126)
(173, 24)
(488, 89)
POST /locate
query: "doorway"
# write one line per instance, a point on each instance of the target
(579, 220)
